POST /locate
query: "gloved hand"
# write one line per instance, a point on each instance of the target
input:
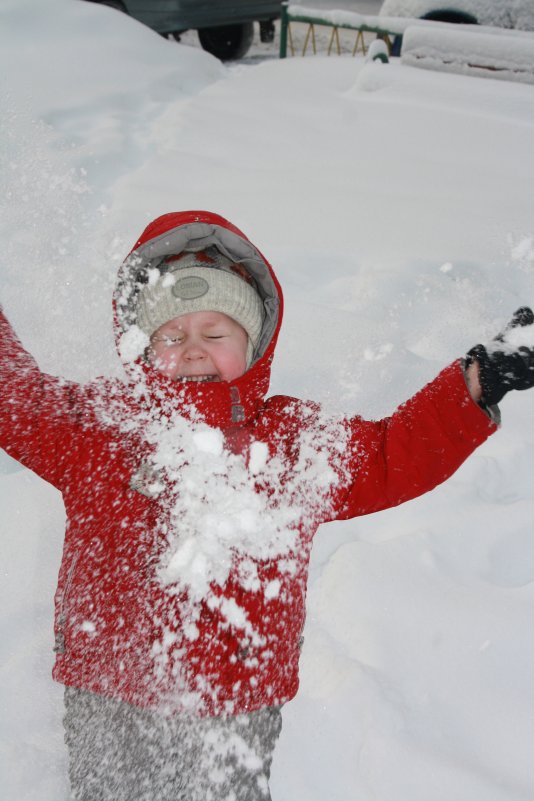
(507, 362)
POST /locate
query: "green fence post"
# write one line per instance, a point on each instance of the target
(284, 22)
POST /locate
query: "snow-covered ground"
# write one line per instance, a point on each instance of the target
(397, 208)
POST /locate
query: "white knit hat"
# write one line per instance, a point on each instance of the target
(191, 284)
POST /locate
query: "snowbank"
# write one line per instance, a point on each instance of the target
(495, 13)
(460, 51)
(83, 56)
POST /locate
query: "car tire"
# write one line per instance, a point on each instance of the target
(454, 17)
(443, 15)
(227, 42)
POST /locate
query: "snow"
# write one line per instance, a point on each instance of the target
(485, 55)
(334, 16)
(378, 49)
(522, 337)
(513, 14)
(216, 512)
(396, 15)
(132, 344)
(396, 206)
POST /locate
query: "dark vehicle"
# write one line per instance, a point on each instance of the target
(225, 27)
(518, 14)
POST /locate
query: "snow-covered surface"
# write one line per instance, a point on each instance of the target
(401, 18)
(397, 208)
(335, 16)
(460, 51)
(509, 14)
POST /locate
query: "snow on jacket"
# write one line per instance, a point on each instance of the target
(121, 630)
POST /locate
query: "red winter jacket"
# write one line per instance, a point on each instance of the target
(112, 612)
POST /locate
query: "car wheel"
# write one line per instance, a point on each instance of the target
(227, 42)
(455, 17)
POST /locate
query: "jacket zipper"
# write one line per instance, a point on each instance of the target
(59, 643)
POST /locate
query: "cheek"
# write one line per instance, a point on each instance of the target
(233, 362)
(163, 359)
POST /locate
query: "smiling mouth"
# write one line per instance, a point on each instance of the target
(197, 379)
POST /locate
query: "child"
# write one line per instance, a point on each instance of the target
(192, 502)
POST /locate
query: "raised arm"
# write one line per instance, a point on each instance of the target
(36, 410)
(423, 443)
(427, 439)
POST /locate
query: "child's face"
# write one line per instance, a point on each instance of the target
(201, 346)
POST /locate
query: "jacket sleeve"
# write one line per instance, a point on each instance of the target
(423, 443)
(37, 411)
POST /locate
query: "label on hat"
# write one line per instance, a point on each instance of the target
(189, 288)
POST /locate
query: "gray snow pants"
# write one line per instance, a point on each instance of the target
(119, 752)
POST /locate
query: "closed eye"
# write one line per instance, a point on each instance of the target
(168, 340)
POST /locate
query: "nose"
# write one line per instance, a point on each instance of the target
(194, 351)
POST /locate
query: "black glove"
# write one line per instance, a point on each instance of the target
(507, 362)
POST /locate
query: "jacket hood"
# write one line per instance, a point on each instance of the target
(220, 404)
